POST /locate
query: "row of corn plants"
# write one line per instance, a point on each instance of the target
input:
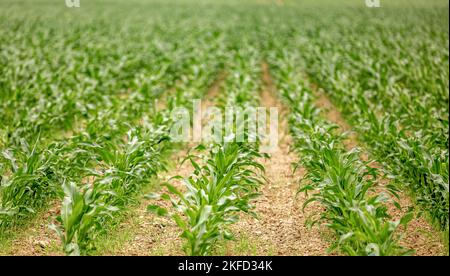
(337, 179)
(227, 174)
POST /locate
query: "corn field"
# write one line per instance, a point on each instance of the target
(89, 159)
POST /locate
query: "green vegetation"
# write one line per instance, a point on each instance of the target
(86, 94)
(338, 179)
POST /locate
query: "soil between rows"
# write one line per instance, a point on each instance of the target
(281, 228)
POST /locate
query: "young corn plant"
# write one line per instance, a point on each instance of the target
(221, 187)
(29, 183)
(131, 165)
(343, 184)
(80, 212)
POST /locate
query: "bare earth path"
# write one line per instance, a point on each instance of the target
(280, 229)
